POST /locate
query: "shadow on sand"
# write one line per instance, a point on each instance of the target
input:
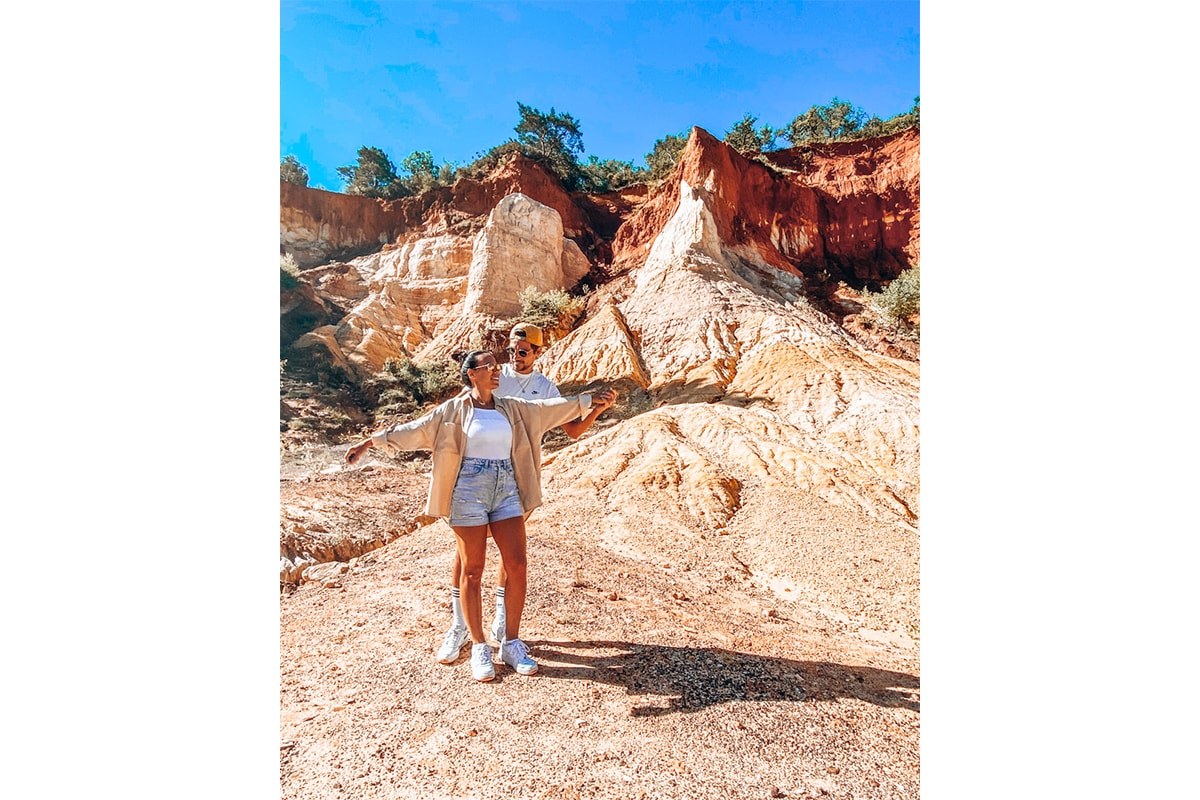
(694, 678)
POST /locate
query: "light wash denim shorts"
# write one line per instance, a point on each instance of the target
(486, 491)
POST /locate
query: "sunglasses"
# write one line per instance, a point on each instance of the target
(493, 367)
(522, 352)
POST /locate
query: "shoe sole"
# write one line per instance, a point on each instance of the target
(455, 657)
(452, 660)
(519, 671)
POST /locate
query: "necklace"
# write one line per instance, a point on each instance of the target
(523, 381)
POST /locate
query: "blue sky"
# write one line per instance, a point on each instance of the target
(447, 76)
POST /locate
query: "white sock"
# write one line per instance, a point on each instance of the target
(500, 614)
(460, 621)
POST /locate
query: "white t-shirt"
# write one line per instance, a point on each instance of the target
(488, 435)
(534, 386)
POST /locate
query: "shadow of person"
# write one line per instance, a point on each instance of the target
(694, 678)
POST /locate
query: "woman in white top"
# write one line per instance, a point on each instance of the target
(518, 378)
(486, 474)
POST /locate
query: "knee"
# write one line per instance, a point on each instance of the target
(514, 566)
(472, 573)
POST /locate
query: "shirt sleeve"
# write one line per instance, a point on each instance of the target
(415, 435)
(547, 414)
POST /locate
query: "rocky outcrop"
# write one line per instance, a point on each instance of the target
(852, 210)
(739, 391)
(431, 295)
(520, 245)
(709, 321)
(317, 226)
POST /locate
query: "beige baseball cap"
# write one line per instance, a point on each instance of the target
(530, 333)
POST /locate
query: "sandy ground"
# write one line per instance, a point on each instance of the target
(777, 658)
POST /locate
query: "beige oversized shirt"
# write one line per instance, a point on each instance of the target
(444, 432)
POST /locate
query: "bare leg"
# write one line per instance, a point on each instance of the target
(501, 575)
(509, 535)
(472, 549)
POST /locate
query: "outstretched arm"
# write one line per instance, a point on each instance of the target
(357, 450)
(600, 402)
(415, 435)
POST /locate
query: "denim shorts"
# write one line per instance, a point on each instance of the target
(486, 491)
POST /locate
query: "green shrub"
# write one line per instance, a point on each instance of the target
(549, 310)
(899, 300)
(402, 386)
(289, 272)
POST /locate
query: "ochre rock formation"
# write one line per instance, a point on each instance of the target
(730, 556)
(429, 296)
(520, 245)
(706, 322)
(744, 403)
(851, 209)
(316, 226)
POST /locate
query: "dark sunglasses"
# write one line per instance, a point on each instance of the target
(519, 351)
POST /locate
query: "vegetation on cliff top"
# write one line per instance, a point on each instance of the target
(555, 140)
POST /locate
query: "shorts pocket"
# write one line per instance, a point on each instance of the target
(470, 469)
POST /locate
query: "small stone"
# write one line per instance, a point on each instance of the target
(612, 595)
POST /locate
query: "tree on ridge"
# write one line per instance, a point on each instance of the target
(292, 171)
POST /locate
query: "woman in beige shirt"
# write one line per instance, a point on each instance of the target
(487, 465)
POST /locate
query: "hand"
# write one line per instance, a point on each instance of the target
(356, 451)
(605, 399)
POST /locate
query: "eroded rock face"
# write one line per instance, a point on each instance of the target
(759, 404)
(426, 297)
(851, 209)
(752, 376)
(872, 198)
(521, 245)
(316, 226)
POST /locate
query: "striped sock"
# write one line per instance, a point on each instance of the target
(460, 621)
(500, 614)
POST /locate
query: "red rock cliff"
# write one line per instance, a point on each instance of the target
(851, 209)
(317, 226)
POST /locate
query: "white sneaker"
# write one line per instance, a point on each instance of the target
(498, 629)
(481, 662)
(514, 653)
(452, 645)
